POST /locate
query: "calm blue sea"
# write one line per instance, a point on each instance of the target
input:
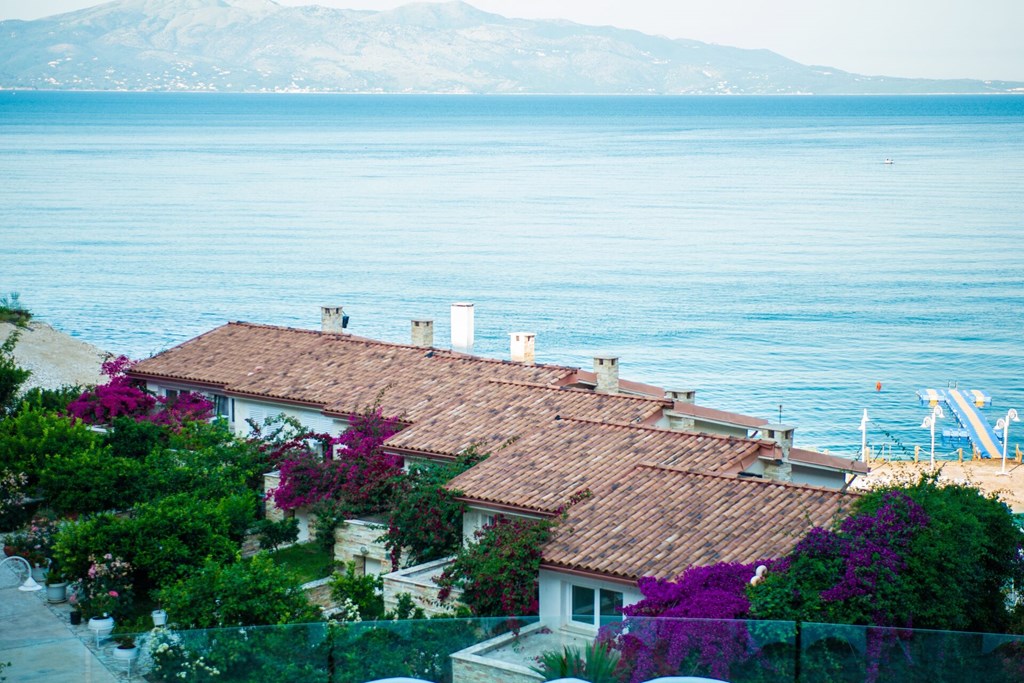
(756, 249)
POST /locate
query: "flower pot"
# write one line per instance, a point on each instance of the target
(126, 653)
(76, 618)
(101, 626)
(39, 574)
(159, 617)
(57, 592)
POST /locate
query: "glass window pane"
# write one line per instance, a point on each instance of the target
(583, 604)
(611, 605)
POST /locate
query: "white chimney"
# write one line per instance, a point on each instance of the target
(523, 347)
(462, 327)
(423, 333)
(333, 319)
(606, 368)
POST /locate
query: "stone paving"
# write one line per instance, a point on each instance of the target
(37, 638)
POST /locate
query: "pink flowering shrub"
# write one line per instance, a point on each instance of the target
(360, 476)
(188, 406)
(118, 396)
(12, 490)
(121, 396)
(106, 589)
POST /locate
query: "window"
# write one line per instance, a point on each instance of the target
(595, 607)
(171, 395)
(222, 406)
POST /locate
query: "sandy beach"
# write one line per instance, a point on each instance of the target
(55, 358)
(984, 474)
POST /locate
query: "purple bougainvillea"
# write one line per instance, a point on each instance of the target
(696, 629)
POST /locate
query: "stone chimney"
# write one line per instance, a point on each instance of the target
(523, 347)
(423, 333)
(682, 395)
(333, 319)
(780, 469)
(606, 368)
(462, 327)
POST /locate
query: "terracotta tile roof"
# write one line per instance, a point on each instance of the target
(713, 415)
(835, 462)
(658, 521)
(540, 471)
(498, 411)
(590, 378)
(334, 372)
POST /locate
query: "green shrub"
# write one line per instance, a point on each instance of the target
(597, 663)
(274, 534)
(174, 535)
(210, 472)
(365, 591)
(426, 517)
(239, 511)
(129, 438)
(30, 438)
(12, 376)
(91, 481)
(50, 400)
(88, 536)
(249, 592)
(13, 311)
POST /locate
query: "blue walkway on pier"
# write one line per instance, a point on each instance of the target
(965, 406)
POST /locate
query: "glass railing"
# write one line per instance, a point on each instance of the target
(510, 651)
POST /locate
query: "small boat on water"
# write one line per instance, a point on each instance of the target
(888, 161)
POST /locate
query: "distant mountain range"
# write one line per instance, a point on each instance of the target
(260, 46)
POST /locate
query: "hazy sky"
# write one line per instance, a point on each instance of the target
(915, 38)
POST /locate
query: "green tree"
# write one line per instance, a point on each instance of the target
(12, 376)
(958, 566)
(30, 438)
(927, 555)
(91, 480)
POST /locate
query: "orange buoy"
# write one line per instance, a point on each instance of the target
(878, 386)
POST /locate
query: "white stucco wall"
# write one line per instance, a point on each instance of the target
(475, 518)
(245, 408)
(311, 418)
(555, 605)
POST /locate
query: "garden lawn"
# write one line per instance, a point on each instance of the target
(308, 561)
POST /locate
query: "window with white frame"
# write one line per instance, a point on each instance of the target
(594, 606)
